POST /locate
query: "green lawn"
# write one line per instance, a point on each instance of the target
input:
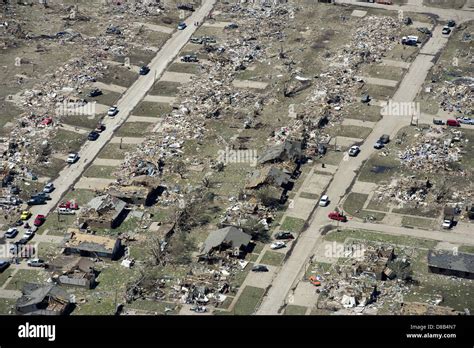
(135, 129)
(295, 310)
(341, 236)
(116, 151)
(292, 224)
(5, 275)
(165, 88)
(272, 258)
(248, 301)
(418, 222)
(95, 171)
(7, 305)
(354, 203)
(188, 68)
(27, 276)
(66, 141)
(151, 109)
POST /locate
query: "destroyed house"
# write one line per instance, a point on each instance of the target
(140, 195)
(91, 245)
(451, 264)
(289, 150)
(225, 238)
(103, 211)
(38, 299)
(268, 176)
(72, 270)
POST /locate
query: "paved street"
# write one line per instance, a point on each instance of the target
(69, 175)
(290, 272)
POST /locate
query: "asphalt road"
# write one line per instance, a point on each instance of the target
(290, 272)
(69, 175)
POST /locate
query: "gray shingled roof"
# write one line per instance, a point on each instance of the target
(288, 150)
(231, 235)
(36, 293)
(448, 260)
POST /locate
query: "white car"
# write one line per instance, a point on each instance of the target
(48, 188)
(277, 245)
(324, 201)
(113, 111)
(72, 158)
(35, 263)
(354, 151)
(28, 234)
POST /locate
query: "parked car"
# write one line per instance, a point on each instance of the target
(378, 144)
(144, 70)
(113, 110)
(95, 93)
(190, 58)
(93, 136)
(11, 232)
(335, 215)
(41, 195)
(284, 235)
(39, 220)
(4, 265)
(354, 151)
(36, 201)
(231, 26)
(49, 187)
(196, 40)
(385, 138)
(208, 39)
(465, 120)
(23, 241)
(446, 30)
(324, 201)
(453, 123)
(424, 30)
(35, 263)
(182, 26)
(410, 40)
(451, 23)
(72, 158)
(100, 128)
(277, 245)
(28, 234)
(438, 122)
(69, 205)
(259, 268)
(66, 211)
(25, 215)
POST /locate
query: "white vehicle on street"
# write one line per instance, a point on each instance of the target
(277, 245)
(324, 201)
(72, 158)
(354, 151)
(113, 111)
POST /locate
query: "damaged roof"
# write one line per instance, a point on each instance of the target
(461, 262)
(288, 150)
(229, 235)
(268, 175)
(35, 293)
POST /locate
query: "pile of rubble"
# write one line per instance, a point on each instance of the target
(363, 282)
(456, 96)
(435, 150)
